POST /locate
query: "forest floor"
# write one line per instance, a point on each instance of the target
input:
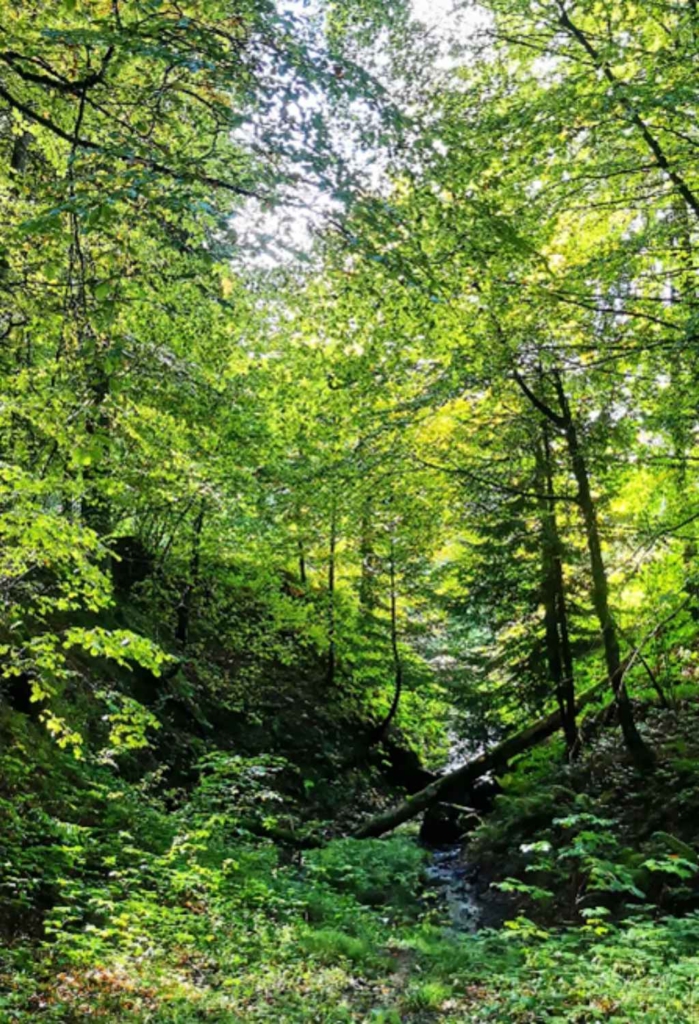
(173, 916)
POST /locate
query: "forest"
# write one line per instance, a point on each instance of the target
(349, 511)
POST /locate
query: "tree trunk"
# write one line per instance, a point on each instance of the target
(184, 608)
(20, 152)
(468, 773)
(681, 429)
(97, 512)
(367, 582)
(302, 563)
(640, 753)
(558, 650)
(330, 667)
(382, 728)
(642, 756)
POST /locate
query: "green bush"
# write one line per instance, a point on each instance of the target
(375, 871)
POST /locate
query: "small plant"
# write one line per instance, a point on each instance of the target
(330, 945)
(375, 871)
(430, 995)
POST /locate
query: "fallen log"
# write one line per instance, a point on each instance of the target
(472, 770)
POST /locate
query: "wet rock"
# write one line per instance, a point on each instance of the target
(461, 893)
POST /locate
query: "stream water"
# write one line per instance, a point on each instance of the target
(451, 889)
(452, 886)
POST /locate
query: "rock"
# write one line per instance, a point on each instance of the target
(444, 824)
(480, 795)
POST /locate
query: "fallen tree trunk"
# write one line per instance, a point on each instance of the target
(472, 770)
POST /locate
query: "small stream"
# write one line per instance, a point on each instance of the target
(452, 886)
(453, 891)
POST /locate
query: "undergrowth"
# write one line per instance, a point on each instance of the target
(142, 912)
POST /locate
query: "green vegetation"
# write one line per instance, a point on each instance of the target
(348, 427)
(150, 915)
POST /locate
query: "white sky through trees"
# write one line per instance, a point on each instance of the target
(287, 231)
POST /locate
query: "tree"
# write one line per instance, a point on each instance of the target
(130, 134)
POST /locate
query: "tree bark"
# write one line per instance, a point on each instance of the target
(302, 563)
(331, 662)
(558, 650)
(20, 152)
(640, 753)
(184, 608)
(382, 728)
(367, 583)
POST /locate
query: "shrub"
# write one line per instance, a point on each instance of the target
(375, 871)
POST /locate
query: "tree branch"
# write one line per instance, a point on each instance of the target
(12, 58)
(495, 484)
(546, 410)
(82, 143)
(651, 141)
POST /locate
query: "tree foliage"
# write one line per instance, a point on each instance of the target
(348, 407)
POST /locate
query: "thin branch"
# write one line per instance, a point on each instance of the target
(653, 144)
(496, 484)
(153, 165)
(653, 633)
